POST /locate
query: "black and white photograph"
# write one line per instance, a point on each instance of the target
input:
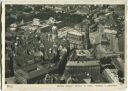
(64, 44)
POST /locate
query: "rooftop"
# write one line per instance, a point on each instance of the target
(35, 70)
(113, 74)
(83, 63)
(38, 24)
(83, 53)
(110, 31)
(75, 32)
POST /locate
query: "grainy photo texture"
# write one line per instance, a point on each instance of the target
(64, 44)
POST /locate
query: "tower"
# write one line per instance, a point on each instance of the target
(85, 29)
(54, 33)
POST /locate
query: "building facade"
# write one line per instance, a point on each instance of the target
(82, 63)
(76, 39)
